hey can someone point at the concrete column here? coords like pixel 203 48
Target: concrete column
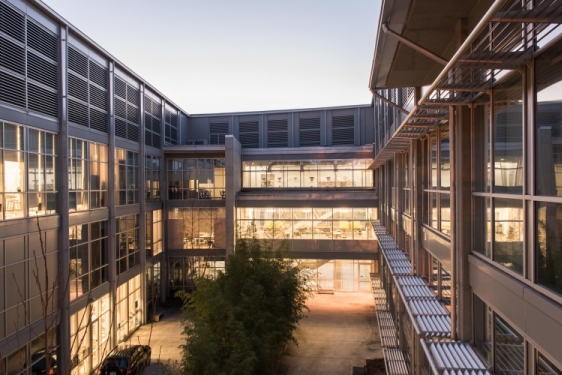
pixel 233 157
pixel 62 206
pixel 142 200
pixel 462 218
pixel 113 279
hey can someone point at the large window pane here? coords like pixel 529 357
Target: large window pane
pixel 508 233
pixel 548 123
pixel 509 349
pixel 508 136
pixel 549 249
pixel 482 226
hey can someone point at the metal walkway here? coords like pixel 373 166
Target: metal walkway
pixel 431 321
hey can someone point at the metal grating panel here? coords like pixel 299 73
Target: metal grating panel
pixel 132 114
pixel 42 70
pixel 277 133
pixel 133 132
pixel 41 40
pixel 120 88
pixel 12 56
pixel 77 62
pixel 77 88
pixel 77 113
pixel 120 128
pixel 98 97
pixel 12 22
pixel 120 108
pixel 42 100
pixel 12 89
pixel 98 74
pixel 343 130
pixel 217 132
pixel 148 137
pixel 309 132
pixel 99 120
pixel 249 134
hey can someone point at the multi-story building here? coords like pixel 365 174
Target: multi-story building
pixel 444 189
pixel 466 159
pixel 132 196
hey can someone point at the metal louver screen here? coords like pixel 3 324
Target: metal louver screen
pixel 249 134
pixel 127 116
pixel 343 130
pixel 309 132
pixel 37 65
pixel 277 133
pixel 218 130
pixel 87 90
pixel 12 22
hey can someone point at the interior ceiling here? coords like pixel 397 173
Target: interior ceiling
pixel 431 24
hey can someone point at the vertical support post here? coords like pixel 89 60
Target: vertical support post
pixel 164 196
pixel 142 199
pixel 62 205
pixel 111 202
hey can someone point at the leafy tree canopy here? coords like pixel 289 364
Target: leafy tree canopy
pixel 240 322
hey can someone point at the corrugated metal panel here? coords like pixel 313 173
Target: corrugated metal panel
pixel 217 131
pixel 277 133
pixel 309 132
pixel 249 134
pixel 343 130
pixel 453 358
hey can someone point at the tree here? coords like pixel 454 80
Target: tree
pixel 240 322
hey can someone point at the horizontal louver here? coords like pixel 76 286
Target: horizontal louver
pixel 12 89
pixel 38 65
pixel 218 130
pixel 277 133
pixel 87 82
pixel 42 40
pixel 12 56
pixel 170 127
pixel 126 110
pixel 152 119
pixel 343 130
pixel 309 132
pixel 249 134
pixel 12 22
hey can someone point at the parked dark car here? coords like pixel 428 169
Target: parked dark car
pixel 39 363
pixel 129 361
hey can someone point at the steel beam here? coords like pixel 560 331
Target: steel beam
pixel 414 45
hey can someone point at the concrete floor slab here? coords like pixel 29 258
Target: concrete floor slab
pixel 340 332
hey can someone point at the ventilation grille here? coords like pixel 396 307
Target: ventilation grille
pixel 38 65
pixel 249 132
pixel 343 130
pixel 277 133
pixel 218 130
pixel 152 122
pixel 127 119
pixel 309 132
pixel 87 91
pixel 171 126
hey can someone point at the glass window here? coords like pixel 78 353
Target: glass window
pixel 483 226
pixel 152 177
pixel 126 177
pixel 444 161
pixel 509 349
pixel 508 136
pixel 483 329
pixel 549 249
pixel 548 123
pixel 508 233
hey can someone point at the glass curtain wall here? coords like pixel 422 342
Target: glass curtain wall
pixel 196 179
pixel 306 223
pixel 153 233
pixel 27 172
pixel 126 177
pixel 197 228
pixel 88 175
pixel 152 177
pixel 340 275
pixel 126 242
pixel 129 309
pixel 341 173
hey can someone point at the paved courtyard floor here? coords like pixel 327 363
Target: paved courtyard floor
pixel 340 332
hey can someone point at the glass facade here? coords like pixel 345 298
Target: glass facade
pixel 340 275
pixel 127 252
pixel 182 270
pixel 126 177
pixel 27 172
pixel 87 175
pixel 153 244
pixel 306 223
pixel 341 173
pixel 197 228
pixel 152 177
pixel 129 308
pixel 88 257
pixel 196 178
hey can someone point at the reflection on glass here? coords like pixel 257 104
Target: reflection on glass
pixel 509 349
pixel 482 226
pixel 549 254
pixel 445 165
pixel 445 213
pixel 433 162
pixel 508 233
pixel 508 136
pixel 303 174
pixel 545 367
pixel 199 228
pixel 483 331
pixel 433 210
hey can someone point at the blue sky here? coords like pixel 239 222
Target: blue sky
pixel 238 55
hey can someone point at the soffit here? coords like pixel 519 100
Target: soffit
pixel 429 23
